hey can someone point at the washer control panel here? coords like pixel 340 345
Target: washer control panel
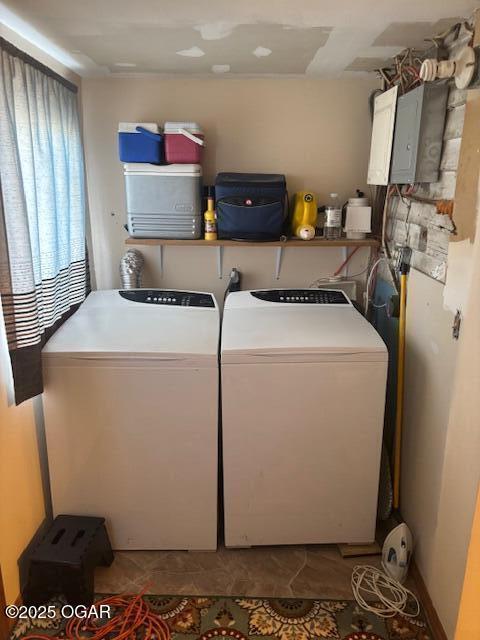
pixel 302 296
pixel 169 298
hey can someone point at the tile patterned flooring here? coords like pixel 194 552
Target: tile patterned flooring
pixel 296 571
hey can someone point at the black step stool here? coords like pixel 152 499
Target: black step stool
pixel 64 561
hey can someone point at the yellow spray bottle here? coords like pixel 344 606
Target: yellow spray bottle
pixel 210 219
pixel 304 213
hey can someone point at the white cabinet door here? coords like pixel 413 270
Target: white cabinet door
pixel 124 443
pixel 382 137
pixel 301 451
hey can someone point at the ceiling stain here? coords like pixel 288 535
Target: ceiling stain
pixel 193 52
pixel 183 50
pixel 262 52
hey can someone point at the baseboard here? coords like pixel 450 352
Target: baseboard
pixel 427 604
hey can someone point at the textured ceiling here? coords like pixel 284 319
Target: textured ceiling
pixel 314 37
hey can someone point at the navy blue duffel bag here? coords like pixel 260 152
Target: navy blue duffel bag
pixel 250 206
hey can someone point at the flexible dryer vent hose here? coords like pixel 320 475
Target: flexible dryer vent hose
pixel 131 266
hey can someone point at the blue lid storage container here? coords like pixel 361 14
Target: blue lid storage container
pixel 140 142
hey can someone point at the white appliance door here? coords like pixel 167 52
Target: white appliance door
pixel 136 442
pixel 301 451
pixel 382 137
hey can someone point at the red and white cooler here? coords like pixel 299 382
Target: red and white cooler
pixel 184 142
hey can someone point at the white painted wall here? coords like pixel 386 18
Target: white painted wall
pixel 461 467
pixel 430 368
pixel 441 443
pixel 317 132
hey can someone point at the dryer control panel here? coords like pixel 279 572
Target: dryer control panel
pixel 169 298
pixel 302 296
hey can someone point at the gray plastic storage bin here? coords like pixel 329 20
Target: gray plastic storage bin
pixel 164 201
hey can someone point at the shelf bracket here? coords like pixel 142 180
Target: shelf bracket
pixel 278 262
pixel 160 259
pixel 220 262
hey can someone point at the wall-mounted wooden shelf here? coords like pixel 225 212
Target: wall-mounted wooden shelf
pixel 316 242
pixel 279 245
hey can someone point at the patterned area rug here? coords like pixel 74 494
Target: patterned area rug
pixel 214 618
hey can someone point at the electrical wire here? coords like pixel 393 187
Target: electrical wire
pixel 385 216
pixel 379 306
pixel 332 280
pixel 369 280
pixel 345 262
pixel 336 277
pixel 390 219
pixel 132 620
pixel 391 597
pixel 404 72
pixel 360 273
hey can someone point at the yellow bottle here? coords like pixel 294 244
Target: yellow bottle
pixel 304 212
pixel 210 221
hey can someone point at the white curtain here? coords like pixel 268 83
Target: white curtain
pixel 43 272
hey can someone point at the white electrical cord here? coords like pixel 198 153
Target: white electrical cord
pixel 391 597
pixel 335 279
pixel 369 280
pixel 332 280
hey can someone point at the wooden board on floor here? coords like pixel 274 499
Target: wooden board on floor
pixel 357 550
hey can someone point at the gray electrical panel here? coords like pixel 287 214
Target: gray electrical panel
pixel 418 138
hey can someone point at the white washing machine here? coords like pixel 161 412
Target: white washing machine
pixel 303 394
pixel 131 416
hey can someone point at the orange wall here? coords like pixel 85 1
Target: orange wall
pixel 21 497
pixel 468 624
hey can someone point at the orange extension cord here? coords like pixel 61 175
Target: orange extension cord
pixel 345 262
pixel 134 620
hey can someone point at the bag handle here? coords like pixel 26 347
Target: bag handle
pixel 149 134
pixel 191 137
